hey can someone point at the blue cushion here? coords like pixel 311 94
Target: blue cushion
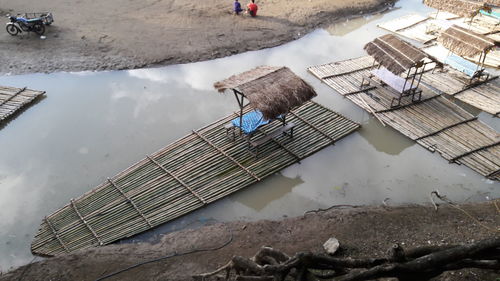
pixel 492 14
pixel 461 64
pixel 250 121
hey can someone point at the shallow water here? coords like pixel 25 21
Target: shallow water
pixel 93 125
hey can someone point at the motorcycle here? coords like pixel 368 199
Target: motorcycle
pixel 19 24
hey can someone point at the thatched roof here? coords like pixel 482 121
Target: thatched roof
pixel 272 90
pixel 394 54
pixel 464 42
pixel 463 8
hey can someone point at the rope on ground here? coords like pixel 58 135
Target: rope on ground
pixel 495 202
pixel 26 269
pixel 451 203
pixel 174 254
pixel 329 208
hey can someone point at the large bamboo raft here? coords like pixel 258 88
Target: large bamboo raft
pixel 435 122
pixel 196 170
pixel 12 99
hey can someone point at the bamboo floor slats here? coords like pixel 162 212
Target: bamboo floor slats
pixel 196 170
pixel 485 96
pixel 435 122
pixel 13 99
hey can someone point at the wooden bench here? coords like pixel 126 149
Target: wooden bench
pixel 285 130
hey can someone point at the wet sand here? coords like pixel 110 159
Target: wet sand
pixel 126 34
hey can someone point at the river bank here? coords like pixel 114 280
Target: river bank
pixel 362 232
pixel 123 34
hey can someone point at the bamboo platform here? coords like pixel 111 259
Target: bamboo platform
pixel 435 122
pixel 426 30
pixel 485 96
pixel 196 170
pixel 12 99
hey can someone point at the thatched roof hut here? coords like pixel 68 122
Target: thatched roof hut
pixel 464 42
pixel 394 54
pixel 463 8
pixel 271 90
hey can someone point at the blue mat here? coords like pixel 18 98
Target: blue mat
pixel 461 64
pixel 492 14
pixel 251 121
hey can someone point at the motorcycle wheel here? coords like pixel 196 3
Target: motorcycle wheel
pixel 39 28
pixel 12 29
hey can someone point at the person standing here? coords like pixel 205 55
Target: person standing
pixel 252 8
pixel 237 7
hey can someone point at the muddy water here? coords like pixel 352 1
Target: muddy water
pixel 93 125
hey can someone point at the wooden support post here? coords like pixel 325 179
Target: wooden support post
pixel 360 91
pixel 227 156
pixel 11 97
pixel 178 180
pixel 283 146
pixel 56 235
pixel 130 201
pixel 406 105
pixel 446 128
pixel 86 223
pixel 314 127
pixel 474 85
pixel 494 173
pixel 454 159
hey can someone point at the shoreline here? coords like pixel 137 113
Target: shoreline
pixel 199 35
pixel 363 231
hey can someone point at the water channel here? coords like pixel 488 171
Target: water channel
pixel 92 125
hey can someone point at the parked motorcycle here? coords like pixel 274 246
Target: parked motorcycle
pixel 19 24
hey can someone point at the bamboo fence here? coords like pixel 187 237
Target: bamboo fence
pixel 12 99
pixel 434 122
pixel 196 170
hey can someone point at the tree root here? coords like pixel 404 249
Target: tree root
pixel 422 263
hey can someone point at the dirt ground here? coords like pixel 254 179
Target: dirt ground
pixel 125 34
pixel 362 232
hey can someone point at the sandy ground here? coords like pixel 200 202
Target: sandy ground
pixel 362 231
pixel 124 34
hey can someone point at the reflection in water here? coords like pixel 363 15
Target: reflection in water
pixel 347 26
pixel 383 139
pixel 270 190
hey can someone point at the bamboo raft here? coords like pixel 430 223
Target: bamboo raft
pixel 196 170
pixel 12 99
pixel 434 122
pixel 485 96
pixel 426 30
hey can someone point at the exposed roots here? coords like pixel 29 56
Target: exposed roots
pixel 420 263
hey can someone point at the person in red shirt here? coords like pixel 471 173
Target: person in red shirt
pixel 252 8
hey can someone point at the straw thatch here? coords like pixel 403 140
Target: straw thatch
pixel 463 8
pixel 464 42
pixel 393 53
pixel 272 90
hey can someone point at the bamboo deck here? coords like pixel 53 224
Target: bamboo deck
pixel 454 83
pixel 196 170
pixel 12 99
pixel 435 122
